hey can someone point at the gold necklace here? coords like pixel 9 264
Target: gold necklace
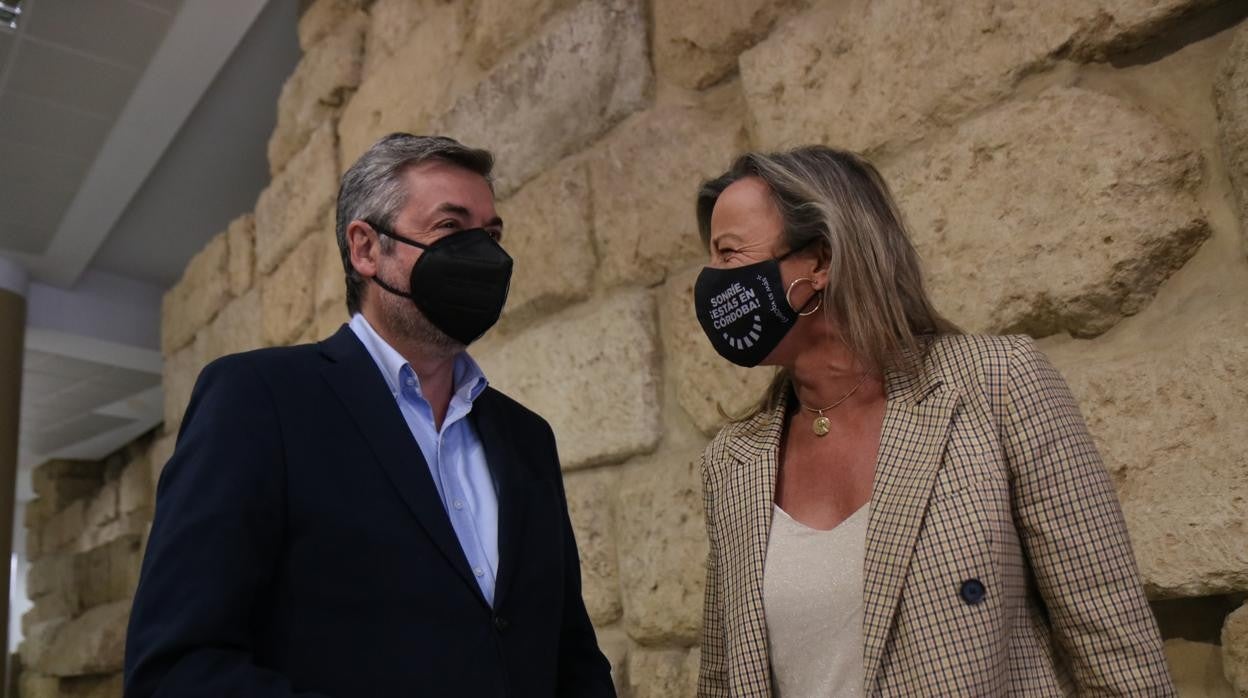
pixel 822 425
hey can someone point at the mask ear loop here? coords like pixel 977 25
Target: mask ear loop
pixel 818 296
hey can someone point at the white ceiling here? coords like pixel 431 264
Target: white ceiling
pixel 131 131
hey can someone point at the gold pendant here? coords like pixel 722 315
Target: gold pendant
pixel 821 426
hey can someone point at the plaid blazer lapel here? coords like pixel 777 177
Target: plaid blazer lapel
pixel 912 444
pixel 753 488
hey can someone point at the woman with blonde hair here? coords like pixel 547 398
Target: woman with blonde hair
pixel 911 511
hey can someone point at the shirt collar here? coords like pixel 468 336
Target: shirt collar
pixel 468 380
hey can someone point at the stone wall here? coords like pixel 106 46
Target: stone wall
pixel 1076 170
pixel 85 533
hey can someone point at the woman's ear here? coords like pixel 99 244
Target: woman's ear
pixel 365 248
pixel 823 259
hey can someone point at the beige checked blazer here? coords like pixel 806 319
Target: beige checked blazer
pixel 997 559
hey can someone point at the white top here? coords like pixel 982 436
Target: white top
pixel 812 601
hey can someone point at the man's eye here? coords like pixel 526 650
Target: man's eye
pixel 495 235
pixel 449 225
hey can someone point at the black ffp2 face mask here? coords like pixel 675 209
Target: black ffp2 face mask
pixel 743 310
pixel 460 283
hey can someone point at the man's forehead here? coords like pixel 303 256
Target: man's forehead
pixel 440 187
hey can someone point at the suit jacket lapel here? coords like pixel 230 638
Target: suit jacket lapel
pixel 512 484
pixel 354 377
pixel 912 445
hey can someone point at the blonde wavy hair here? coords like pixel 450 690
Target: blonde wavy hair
pixel 875 289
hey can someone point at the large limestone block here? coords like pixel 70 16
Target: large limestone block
pixel 59 482
pixel 406 90
pixel 696 42
pixel 1196 668
pixel 294 204
pixel 178 375
pixel 503 24
pixel 328 321
pixel 331 281
pixel 661 535
pixel 1231 98
pixel 1235 650
pixel 37 686
pixel 663 673
pixel 865 74
pixel 93 643
pixel 645 179
pixel 287 298
pixel 109 572
pixel 586 71
pixel 238 327
pixel 102 508
pixel 53 574
pixel 322 17
pixel 135 487
pixel 590 496
pixel 241 241
pixel 1060 213
pixel 133 524
pixel 322 82
pixel 110 686
pixel 592 372
pixel 196 298
pixel 709 388
pixel 393 24
pixel 1168 420
pixel 614 644
pixel 36 643
pixel 65 527
pixel 548 235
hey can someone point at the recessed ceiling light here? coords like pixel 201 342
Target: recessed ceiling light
pixel 9 12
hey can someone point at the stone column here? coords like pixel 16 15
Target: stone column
pixel 13 283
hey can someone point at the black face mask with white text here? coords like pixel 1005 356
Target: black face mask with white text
pixel 743 310
pixel 460 283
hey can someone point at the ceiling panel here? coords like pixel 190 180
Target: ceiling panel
pixel 64 366
pixel 42 70
pixel 6 45
pixel 128 380
pixel 52 127
pixel 26 239
pixel 36 186
pixel 116 30
pixel 170 6
pixel 75 430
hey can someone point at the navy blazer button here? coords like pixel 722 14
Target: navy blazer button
pixel 972 591
pixel 501 623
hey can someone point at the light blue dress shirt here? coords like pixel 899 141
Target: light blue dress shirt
pixel 455 456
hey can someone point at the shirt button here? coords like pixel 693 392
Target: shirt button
pixel 458 504
pixel 411 382
pixel 478 571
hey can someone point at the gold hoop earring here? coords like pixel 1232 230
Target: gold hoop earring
pixel 789 292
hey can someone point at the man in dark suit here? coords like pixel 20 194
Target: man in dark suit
pixel 365 516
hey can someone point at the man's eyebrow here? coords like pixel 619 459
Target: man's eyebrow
pixel 463 212
pixel 454 209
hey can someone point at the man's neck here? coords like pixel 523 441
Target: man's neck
pixel 433 366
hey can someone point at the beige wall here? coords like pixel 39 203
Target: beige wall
pixel 1074 169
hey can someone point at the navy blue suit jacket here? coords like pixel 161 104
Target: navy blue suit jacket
pixel 300 548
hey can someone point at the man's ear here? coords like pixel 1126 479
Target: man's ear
pixel 365 248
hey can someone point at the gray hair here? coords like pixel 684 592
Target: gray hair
pixel 374 190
